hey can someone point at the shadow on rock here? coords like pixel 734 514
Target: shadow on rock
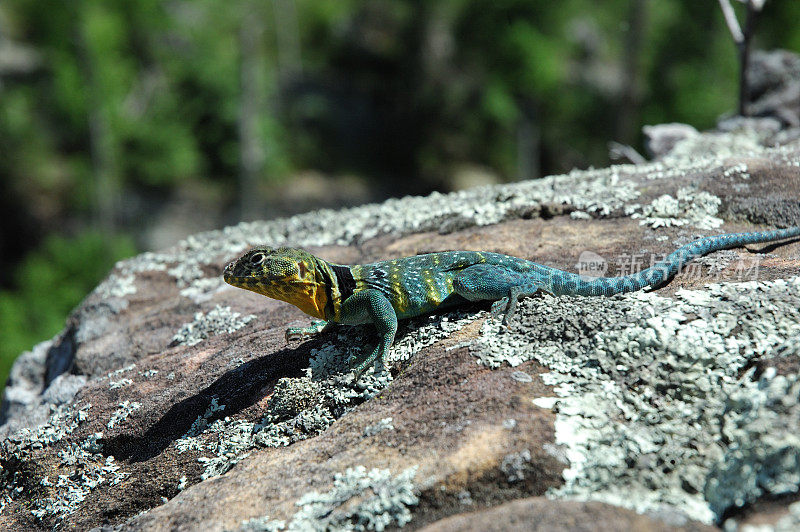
pixel 770 246
pixel 237 389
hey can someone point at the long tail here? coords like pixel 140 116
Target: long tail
pixel 568 283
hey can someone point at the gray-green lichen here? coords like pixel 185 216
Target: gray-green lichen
pixel 690 207
pixel 189 440
pixel 521 376
pixel 514 465
pixel 81 467
pixel 117 286
pixel 262 524
pixel 125 409
pixel 64 419
pixel 114 382
pixel 360 499
pixel 120 371
pixel 292 396
pixel 761 422
pixel 86 469
pixel 291 417
pixel 299 409
pixel 379 426
pixel 414 335
pixel 114 385
pixel 656 407
pixel 219 320
pixel 303 407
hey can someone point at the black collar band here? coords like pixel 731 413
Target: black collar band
pixel 344 278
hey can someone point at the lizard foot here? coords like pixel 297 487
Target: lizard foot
pixel 508 305
pixel 295 333
pixel 358 370
pixel 380 369
pixel 499 307
pixel 380 373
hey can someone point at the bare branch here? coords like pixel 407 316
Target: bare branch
pixel 758 5
pixel 730 20
pixel 619 151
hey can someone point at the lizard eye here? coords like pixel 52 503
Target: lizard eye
pixel 257 258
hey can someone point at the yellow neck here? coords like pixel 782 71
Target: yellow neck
pixel 310 297
pixel 308 290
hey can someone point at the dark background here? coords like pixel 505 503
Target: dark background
pixel 127 125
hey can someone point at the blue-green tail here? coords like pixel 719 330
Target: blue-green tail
pixel 559 282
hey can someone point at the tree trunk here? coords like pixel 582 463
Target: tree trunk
pixel 628 112
pixel 107 198
pixel 251 107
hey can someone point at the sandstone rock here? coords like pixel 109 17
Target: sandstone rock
pixel 661 138
pixel 172 402
pixel 774 79
pixel 540 514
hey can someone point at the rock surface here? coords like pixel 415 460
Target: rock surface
pixel 172 402
pixel 774 78
pixel 539 514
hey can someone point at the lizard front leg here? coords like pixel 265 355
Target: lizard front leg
pixel 371 306
pixel 483 282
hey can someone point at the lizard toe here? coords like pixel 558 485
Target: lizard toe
pixel 293 333
pixel 498 308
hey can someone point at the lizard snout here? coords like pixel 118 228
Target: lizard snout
pixel 228 272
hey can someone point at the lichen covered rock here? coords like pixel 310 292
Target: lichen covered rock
pixel 172 401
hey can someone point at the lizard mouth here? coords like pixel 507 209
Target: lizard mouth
pixel 243 282
pixel 237 278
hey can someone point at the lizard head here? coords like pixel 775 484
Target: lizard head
pixel 288 274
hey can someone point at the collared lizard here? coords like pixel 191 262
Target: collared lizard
pixel 383 292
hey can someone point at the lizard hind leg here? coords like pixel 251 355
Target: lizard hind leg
pixel 507 306
pixel 377 355
pixel 483 282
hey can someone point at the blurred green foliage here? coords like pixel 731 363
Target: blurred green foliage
pixel 109 108
pixel 49 283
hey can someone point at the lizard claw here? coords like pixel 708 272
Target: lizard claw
pixel 506 306
pixel 357 374
pixel 379 371
pixel 498 307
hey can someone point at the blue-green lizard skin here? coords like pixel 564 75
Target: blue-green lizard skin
pixel 383 292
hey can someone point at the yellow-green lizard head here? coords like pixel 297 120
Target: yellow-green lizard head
pixel 288 274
